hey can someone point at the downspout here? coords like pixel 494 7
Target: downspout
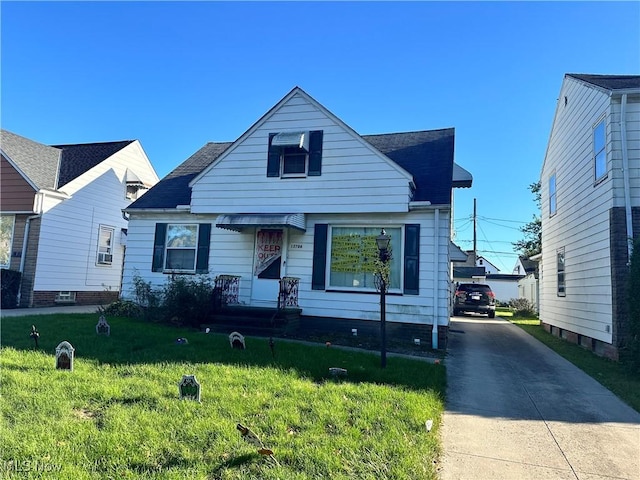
pixel 625 175
pixel 23 255
pixel 436 282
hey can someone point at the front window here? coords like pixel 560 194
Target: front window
pixel 353 257
pixel 105 246
pixel 599 150
pixel 561 276
pixel 6 239
pixel 552 195
pixel 181 244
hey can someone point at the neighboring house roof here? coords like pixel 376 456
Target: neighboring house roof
pixel 610 82
pixel 427 155
pixel 38 162
pixel 529 266
pixel 468 272
pixel 54 166
pixel 456 254
pixel 80 158
pixel 504 276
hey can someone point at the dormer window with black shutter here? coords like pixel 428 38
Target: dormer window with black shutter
pixel 295 154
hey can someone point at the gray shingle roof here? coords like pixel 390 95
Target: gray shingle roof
pixel 54 166
pixel 174 189
pixel 610 82
pixel 80 158
pixel 427 155
pixel 37 161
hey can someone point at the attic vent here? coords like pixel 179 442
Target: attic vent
pixel 291 139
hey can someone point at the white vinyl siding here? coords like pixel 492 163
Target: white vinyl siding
pixel 70 227
pixel 69 239
pixel 581 225
pixel 233 254
pixel 354 177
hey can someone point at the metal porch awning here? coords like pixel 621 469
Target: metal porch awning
pixel 238 222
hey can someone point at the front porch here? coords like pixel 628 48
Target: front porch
pixel 229 314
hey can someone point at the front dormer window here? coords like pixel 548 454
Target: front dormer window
pixel 295 154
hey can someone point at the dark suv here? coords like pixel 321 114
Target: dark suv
pixel 474 297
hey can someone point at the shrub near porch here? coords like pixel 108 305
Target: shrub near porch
pixel 117 415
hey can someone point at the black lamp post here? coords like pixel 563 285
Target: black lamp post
pixel 382 242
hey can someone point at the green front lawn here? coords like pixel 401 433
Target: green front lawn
pixel 118 414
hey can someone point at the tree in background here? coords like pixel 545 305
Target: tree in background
pixel 531 244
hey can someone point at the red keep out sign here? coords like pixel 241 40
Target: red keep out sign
pixel 268 248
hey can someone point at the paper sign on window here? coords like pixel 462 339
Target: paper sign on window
pixel 268 249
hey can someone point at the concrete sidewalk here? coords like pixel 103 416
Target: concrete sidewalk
pixel 516 410
pixel 23 312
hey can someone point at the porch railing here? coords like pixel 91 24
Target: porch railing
pixel 227 289
pixel 288 292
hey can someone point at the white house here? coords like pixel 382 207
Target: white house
pixel 302 196
pixel 590 191
pixel 528 285
pixel 489 268
pixel 62 222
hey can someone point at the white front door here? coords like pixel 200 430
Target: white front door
pixel 269 253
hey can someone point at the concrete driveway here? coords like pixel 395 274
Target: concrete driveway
pixel 517 411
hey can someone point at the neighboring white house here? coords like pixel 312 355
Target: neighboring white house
pixel 528 286
pixel 590 208
pixel 62 222
pixel 301 195
pixel 489 268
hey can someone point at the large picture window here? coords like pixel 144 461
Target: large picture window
pixel 6 239
pixel 105 245
pixel 599 150
pixel 353 254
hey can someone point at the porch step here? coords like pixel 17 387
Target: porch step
pixel 251 320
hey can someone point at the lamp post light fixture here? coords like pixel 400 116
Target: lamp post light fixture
pixel 382 241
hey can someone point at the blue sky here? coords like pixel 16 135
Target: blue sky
pixel 178 75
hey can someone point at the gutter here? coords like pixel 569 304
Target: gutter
pixel 625 175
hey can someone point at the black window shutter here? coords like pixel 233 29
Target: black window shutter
pixel 158 247
pixel 318 275
pixel 412 259
pixel 204 240
pixel 273 159
pixel 315 153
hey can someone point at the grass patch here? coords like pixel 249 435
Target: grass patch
pixel 117 415
pixel 612 375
